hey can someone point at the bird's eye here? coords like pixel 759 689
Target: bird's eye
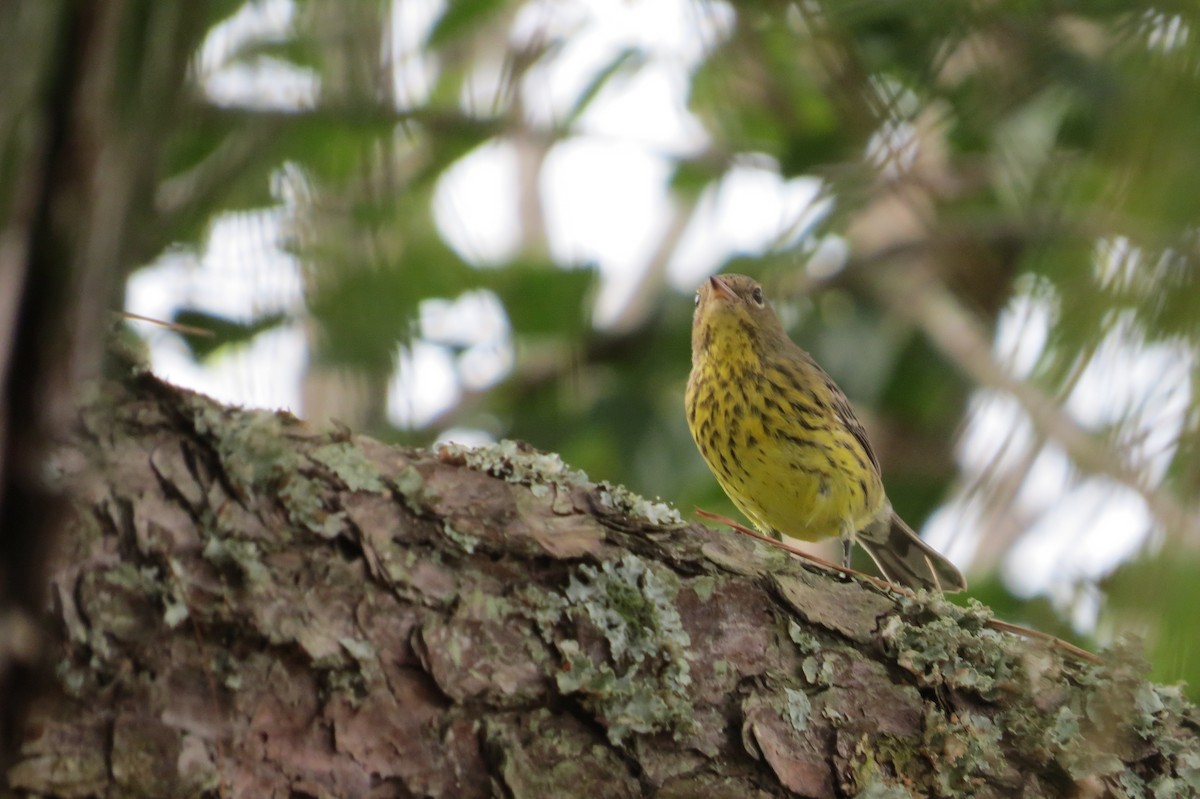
pixel 757 296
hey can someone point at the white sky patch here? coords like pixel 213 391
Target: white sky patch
pixel 1022 331
pixel 263 82
pixel 605 204
pixel 1165 32
pixel 604 193
pixel 952 528
pixel 751 210
pixel 1003 440
pixel 475 204
pixel 475 317
pixel 485 91
pixel 647 107
pixel 413 71
pixel 465 344
pixel 1145 386
pixel 476 324
pixel 242 274
pixel 422 386
pixel 1080 535
pixel 485 365
pixel 1049 479
pixel 466 436
pixel 671 36
pixel 255 21
pixel 828 257
pixel 265 373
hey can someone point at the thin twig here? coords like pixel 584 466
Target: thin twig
pixel 825 564
pixel 1038 635
pixel 188 330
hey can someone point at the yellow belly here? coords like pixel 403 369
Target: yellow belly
pixel 784 476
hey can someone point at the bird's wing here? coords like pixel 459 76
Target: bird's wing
pixel 845 414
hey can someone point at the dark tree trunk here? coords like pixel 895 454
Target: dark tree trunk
pixel 86 90
pixel 249 608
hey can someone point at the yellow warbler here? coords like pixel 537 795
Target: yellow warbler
pixel 784 443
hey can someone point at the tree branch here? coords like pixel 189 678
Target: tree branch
pixel 252 608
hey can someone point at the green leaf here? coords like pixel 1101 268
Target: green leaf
pixel 544 301
pixel 461 18
pixel 223 332
pixel 299 51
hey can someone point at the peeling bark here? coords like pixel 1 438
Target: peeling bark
pixel 250 608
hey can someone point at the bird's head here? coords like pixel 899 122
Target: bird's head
pixel 732 312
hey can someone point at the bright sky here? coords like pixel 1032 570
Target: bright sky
pixel 606 200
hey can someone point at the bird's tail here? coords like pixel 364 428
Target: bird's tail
pixel 904 558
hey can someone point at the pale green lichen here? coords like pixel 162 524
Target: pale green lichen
pixel 880 790
pixel 465 541
pixel 704 586
pixel 951 646
pixel 1095 732
pixel 872 779
pixel 359 648
pixel 411 485
pixel 140 579
pixel 364 655
pixel 1064 729
pixel 644 689
pixel 251 445
pixel 899 752
pixel 943 645
pixel 621 499
pixel 969 747
pixel 1188 769
pixel 350 465
pixel 244 555
pixel 301 497
pixel 798 709
pixel 805 641
pixel 116 605
pixel 72 678
pixel 517 463
pixel 176 612
pixel 349 683
pixel 487 606
pixel 257 456
pixel 632 603
pixel 544 608
pixel 818 671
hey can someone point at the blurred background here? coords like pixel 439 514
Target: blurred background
pixel 470 221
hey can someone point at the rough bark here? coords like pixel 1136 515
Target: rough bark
pixel 251 608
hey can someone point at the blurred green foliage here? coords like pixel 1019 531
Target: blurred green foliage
pixel 1060 134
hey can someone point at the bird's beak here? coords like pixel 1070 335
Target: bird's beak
pixel 721 291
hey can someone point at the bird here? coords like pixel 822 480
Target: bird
pixel 784 443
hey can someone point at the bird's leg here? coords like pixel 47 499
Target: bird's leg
pixel 847 538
